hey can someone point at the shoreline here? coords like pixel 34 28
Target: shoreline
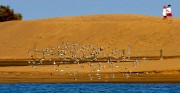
pixel 149 71
pixel 156 78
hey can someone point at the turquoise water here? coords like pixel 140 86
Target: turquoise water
pixel 90 88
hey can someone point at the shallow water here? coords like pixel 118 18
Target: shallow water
pixel 90 88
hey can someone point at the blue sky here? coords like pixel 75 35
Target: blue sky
pixel 37 9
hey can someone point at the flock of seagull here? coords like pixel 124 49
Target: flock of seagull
pixel 94 58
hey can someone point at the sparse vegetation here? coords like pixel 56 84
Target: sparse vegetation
pixel 7 14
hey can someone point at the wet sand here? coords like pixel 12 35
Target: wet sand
pixel 156 71
pixel 31 77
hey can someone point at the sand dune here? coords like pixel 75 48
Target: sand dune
pixel 141 32
pixel 145 34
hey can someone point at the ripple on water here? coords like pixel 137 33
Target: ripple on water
pixel 90 88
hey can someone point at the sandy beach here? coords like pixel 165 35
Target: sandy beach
pixel 154 46
pixel 160 71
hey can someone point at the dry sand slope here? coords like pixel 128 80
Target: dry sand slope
pixel 116 31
